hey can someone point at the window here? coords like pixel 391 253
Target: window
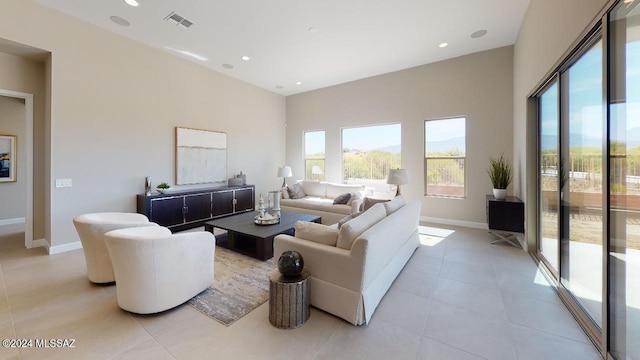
pixel 314 155
pixel 368 153
pixel 444 159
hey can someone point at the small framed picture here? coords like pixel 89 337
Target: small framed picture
pixel 8 158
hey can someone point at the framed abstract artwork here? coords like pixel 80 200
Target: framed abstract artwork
pixel 201 156
pixel 8 158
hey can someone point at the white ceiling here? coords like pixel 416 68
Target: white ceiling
pixel 354 39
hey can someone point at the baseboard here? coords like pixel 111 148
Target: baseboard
pixel 40 243
pixel 6 222
pixel 63 248
pixel 468 224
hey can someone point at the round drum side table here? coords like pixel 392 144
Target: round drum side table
pixel 288 300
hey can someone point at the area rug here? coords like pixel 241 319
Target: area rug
pixel 241 284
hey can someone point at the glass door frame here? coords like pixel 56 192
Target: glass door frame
pixel 598 32
pixel 555 79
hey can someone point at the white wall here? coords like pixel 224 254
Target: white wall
pixel 548 30
pixel 113 109
pixel 478 86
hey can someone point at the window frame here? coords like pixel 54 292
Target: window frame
pixel 426 158
pixel 305 159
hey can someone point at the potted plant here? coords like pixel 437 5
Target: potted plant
pixel 163 187
pixel 500 173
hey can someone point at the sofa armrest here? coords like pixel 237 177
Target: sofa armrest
pixel 355 205
pixel 328 263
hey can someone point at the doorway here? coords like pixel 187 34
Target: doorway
pixel 28 169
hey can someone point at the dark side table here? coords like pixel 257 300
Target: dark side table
pixel 289 305
pixel 505 218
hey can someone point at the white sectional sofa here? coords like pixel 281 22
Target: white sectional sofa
pixel 318 200
pixel 353 267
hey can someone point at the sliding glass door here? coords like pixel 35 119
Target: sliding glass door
pixel 581 156
pixel 589 180
pixel 550 171
pixel 624 162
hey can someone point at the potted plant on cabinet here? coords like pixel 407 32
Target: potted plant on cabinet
pixel 500 173
pixel 163 187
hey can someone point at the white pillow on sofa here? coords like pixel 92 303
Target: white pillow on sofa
pixel 350 230
pixel 322 234
pixel 395 204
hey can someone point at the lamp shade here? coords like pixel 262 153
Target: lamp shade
pixel 316 170
pixel 398 177
pixel 285 171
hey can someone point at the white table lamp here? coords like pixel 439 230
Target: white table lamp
pixel 284 172
pixel 398 177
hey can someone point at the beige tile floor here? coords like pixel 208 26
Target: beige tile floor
pixel 459 297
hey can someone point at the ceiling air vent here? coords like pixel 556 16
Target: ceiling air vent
pixel 178 20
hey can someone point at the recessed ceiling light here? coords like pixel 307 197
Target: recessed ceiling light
pixel 279 87
pixel 478 34
pixel 245 58
pixel 118 20
pixel 227 66
pixel 443 45
pixel 132 2
pixel 298 82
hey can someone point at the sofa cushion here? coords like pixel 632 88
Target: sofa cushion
pixel 322 234
pixel 285 192
pixel 368 202
pixel 296 191
pixel 395 204
pixel 314 188
pixel 342 199
pixel 317 204
pixel 350 230
pixel 335 190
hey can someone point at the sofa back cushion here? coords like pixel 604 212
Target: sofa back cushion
pixel 314 188
pixel 335 190
pixel 350 230
pixel 395 204
pixel 322 234
pixel 368 202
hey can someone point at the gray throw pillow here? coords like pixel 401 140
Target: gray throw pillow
pixel 369 202
pixel 296 191
pixel 342 199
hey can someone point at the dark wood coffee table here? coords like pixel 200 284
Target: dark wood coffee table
pixel 245 237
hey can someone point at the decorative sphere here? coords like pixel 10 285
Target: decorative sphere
pixel 290 263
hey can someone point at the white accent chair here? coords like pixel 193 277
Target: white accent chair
pixel 156 270
pixel 91 229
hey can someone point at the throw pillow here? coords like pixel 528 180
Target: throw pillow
pixel 342 199
pixel 347 218
pixel 369 202
pixel 318 233
pixel 395 204
pixel 296 191
pixel 285 192
pixel 350 231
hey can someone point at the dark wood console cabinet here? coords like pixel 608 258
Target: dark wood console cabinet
pixel 181 210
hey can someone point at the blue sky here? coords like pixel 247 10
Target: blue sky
pixel 585 99
pixel 371 137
